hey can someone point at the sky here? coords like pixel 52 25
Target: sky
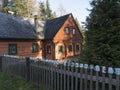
pixel 76 7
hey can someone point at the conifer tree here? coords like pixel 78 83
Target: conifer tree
pixel 42 11
pixel 54 15
pixel 81 30
pixel 45 11
pixel 23 8
pixel 48 10
pixel 103 34
pixel 31 7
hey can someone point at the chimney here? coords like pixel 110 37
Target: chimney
pixel 39 27
pixel 35 23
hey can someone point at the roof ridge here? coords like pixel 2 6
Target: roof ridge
pixel 60 17
pixel 54 25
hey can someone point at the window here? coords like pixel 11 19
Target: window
pixel 77 48
pixel 70 48
pixel 35 47
pixel 74 31
pixel 12 49
pixel 67 30
pixel 48 49
pixel 60 49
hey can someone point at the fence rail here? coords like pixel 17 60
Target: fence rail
pixel 62 76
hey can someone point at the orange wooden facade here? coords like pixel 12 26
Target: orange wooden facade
pixel 64 39
pixel 60 39
pixel 24 47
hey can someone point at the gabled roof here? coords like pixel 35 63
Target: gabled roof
pixel 53 26
pixel 18 28
pixel 14 28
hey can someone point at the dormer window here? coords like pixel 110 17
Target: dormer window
pixel 74 31
pixel 67 30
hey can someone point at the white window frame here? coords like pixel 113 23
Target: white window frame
pixel 67 31
pixel 70 49
pixel 76 49
pixel 74 31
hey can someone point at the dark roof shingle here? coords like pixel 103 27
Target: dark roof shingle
pixel 53 26
pixel 14 28
pixel 18 28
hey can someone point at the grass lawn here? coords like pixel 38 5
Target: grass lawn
pixel 9 82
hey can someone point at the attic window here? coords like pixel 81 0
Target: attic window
pixel 67 30
pixel 74 31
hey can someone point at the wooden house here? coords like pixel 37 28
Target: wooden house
pixel 58 38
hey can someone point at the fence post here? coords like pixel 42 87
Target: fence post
pixel 76 71
pixel 64 76
pixel 61 78
pixel 110 72
pixel 91 76
pixel 72 76
pixel 81 76
pixel 27 69
pixel 86 77
pixel 117 72
pixel 0 63
pixel 68 79
pixel 97 69
pixel 117 82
